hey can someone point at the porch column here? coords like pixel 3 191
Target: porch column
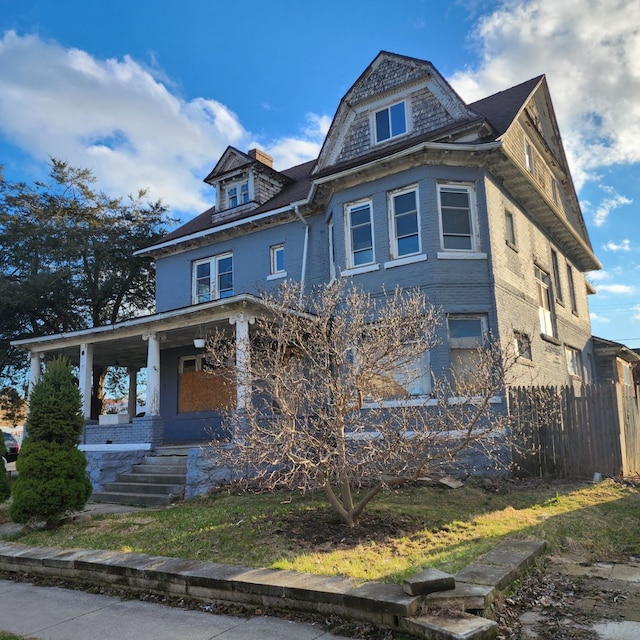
pixel 35 369
pixel 153 373
pixel 86 378
pixel 243 358
pixel 132 403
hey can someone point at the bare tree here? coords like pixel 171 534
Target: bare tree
pixel 334 376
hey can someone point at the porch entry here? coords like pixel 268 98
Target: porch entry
pixel 201 388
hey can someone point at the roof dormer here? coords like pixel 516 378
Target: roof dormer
pixel 244 181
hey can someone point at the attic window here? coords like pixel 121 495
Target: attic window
pixel 390 122
pixel 237 194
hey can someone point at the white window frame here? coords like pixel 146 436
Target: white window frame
pixel 574 361
pixel 274 251
pixel 350 252
pixel 546 309
pixel 393 230
pixel 200 360
pixel 529 157
pixel 214 279
pixel 468 344
pixel 388 108
pixel 240 191
pixel 473 219
pixel 522 345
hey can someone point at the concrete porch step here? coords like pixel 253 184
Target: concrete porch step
pixel 163 460
pixel 142 488
pixel 152 478
pixel 137 499
pixel 157 470
pixel 157 481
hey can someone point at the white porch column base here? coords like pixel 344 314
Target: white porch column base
pixel 243 358
pixel 86 378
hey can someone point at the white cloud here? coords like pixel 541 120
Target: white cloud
pixel 589 52
pixel 122 120
pixel 615 288
pixel 614 246
pixel 598 276
pixel 636 312
pixel 609 204
pixel 600 319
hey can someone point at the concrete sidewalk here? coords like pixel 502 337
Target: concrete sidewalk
pixel 50 613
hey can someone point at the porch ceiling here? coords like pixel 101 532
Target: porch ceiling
pixel 123 344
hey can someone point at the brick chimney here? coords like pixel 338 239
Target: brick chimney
pixel 261 156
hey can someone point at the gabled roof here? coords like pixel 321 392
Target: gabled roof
pixel 443 129
pixel 234 160
pixel 297 189
pixel 501 108
pixel 387 76
pixel 603 347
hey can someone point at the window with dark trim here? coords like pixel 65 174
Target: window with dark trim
pixel 556 276
pixel 572 290
pixel 510 229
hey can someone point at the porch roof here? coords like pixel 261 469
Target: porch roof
pixel 122 344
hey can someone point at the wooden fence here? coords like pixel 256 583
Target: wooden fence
pixel 568 433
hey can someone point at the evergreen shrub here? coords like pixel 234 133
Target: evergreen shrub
pixel 52 478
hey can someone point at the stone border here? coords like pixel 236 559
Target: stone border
pixel 385 605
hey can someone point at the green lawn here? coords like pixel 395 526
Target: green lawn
pixel 403 530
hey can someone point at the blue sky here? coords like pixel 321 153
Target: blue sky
pixel 148 93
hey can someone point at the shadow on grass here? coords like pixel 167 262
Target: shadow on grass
pixel 402 531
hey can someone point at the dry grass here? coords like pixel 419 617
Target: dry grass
pixel 403 531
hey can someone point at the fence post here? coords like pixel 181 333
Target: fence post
pixel 624 463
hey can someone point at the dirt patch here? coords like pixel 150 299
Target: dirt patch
pixel 554 603
pixel 320 530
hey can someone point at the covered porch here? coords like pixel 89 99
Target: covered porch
pixel 143 343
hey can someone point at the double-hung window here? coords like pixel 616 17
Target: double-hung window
pixel 457 217
pixel 529 157
pixel 360 234
pixel 574 361
pixel 213 278
pixel 466 336
pixel 404 222
pixel 390 122
pixel 545 303
pixel 572 290
pixel 510 229
pixel 556 276
pixel 277 260
pixel 237 194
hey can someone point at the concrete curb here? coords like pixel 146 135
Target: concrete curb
pixel 385 605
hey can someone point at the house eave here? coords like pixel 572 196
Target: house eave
pixel 123 341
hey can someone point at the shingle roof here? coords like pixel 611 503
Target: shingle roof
pixel 297 190
pixel 501 108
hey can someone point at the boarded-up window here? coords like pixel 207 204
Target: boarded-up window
pixel 202 389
